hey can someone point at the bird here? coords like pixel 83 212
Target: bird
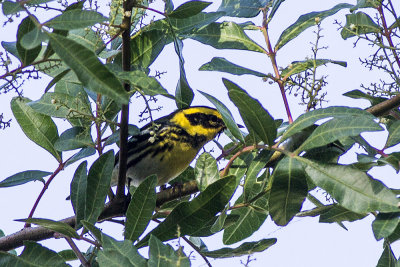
pixel 168 145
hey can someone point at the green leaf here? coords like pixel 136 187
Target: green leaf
pixel 119 253
pixel 385 224
pixel 78 192
pixel 88 38
pixel 336 214
pixel 256 118
pixel 184 93
pixel 190 216
pixel 24 177
pixel 288 192
pixel 387 259
pixel 226 116
pixel 247 248
pixel 357 94
pixel 33 255
pixel 220 222
pixel 358 24
pixel 311 117
pixel 38 127
pixel 73 138
pixel 188 9
pixel 225 35
pixel 140 209
pixel 366 4
pixel 33 39
pixel 304 22
pixel 148 85
pixel 393 159
pixel 394 134
pixel 300 66
pixel 352 188
pixel 223 65
pixel 10 7
pixel 83 153
pixel 75 19
pixel 250 220
pixel 241 8
pixel 98 184
pixel 256 165
pixel 274 8
pixel 90 71
pixel 59 227
pixel 27 56
pixel 10 47
pixel 146 47
pixel 164 255
pixel 94 230
pixel 206 171
pixel 68 255
pixel 339 128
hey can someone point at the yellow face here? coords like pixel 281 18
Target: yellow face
pixel 200 121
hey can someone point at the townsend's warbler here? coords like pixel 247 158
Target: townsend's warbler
pixel 166 146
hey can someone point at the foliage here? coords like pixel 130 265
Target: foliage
pixel 277 164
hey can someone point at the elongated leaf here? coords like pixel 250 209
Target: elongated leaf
pixel 288 192
pixel 387 259
pixel 78 192
pixel 256 118
pixel 353 189
pixel 27 56
pixel 97 233
pixel 33 255
pixel 184 93
pixel 339 128
pixel 394 134
pixel 188 9
pixel 38 127
pixel 24 177
pixel 247 248
pixel 274 8
pixel 304 22
pixel 75 19
pixel 256 165
pixel 119 253
pixel 223 65
pixel 140 209
pixel 98 184
pixel 59 227
pixel 241 8
pixel 226 116
pixel 206 171
pixel 190 216
pixel 83 153
pixel 300 66
pixel 33 39
pixel 250 220
pixel 90 71
pixel 358 24
pixel 10 47
pixel 146 47
pixel 336 213
pixel 10 7
pixel 74 138
pixel 220 222
pixel 365 4
pixel 311 117
pixel 225 35
pixel 385 224
pixel 165 255
pixel 357 94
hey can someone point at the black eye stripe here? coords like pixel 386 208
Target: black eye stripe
pixel 206 120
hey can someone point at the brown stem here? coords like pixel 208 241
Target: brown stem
pixel 77 252
pixel 46 185
pixel 385 106
pixel 387 34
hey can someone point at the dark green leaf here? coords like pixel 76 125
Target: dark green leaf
pixel 336 213
pixel 83 153
pixel 226 116
pixel 256 118
pixel 164 255
pixel 78 192
pixel 393 159
pixel 119 253
pixel 357 94
pixel 190 216
pixel 140 209
pixel 114 138
pixel 38 127
pixel 73 138
pixel 300 66
pixel 225 35
pixel 33 39
pixel 90 71
pixel 146 47
pixel 74 19
pixel 394 134
pixel 223 65
pixel 387 259
pixel 256 165
pixel 27 56
pixel 353 189
pixel 59 227
pixel 11 47
pixel 188 9
pixel 68 255
pixel 10 7
pixel 339 128
pixel 24 177
pixel 94 230
pixel 220 222
pixel 184 93
pixel 241 8
pixel 274 8
pixel 304 22
pixel 206 171
pixel 247 248
pixel 385 224
pixel 358 24
pixel 288 192
pixel 366 4
pixel 98 184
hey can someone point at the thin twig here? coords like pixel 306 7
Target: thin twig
pixel 77 252
pixel 197 250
